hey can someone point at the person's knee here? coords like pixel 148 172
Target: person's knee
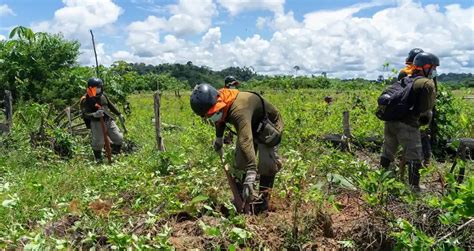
pixel 117 139
pixel 269 168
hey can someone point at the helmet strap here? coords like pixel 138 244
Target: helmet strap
pixel 426 72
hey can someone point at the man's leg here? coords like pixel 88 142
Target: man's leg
pixel 410 139
pixel 426 148
pixel 115 136
pixel 239 172
pixel 97 140
pixel 390 144
pixel 269 165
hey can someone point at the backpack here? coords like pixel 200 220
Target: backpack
pixel 266 132
pixel 396 101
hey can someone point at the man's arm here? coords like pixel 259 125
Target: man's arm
pixel 245 142
pixel 274 116
pixel 220 128
pixel 427 94
pixel 85 114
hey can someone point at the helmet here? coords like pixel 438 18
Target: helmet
pixel 229 79
pixel 203 97
pixel 95 82
pixel 425 58
pixel 412 54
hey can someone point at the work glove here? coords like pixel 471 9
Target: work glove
pixel 98 114
pixel 249 193
pixel 218 143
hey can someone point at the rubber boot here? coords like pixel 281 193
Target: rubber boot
pixel 98 156
pixel 414 176
pixel 385 163
pixel 265 187
pixel 115 148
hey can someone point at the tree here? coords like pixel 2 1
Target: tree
pixel 296 68
pixel 380 79
pixel 36 66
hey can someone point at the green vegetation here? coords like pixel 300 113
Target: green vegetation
pixel 323 198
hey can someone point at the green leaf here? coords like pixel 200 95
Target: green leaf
pixel 9 203
pixel 340 181
pixel 199 198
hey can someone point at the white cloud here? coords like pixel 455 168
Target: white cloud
pixel 78 16
pixel 337 42
pixel 212 38
pixel 87 55
pixel 2 37
pixel 237 6
pixel 188 17
pixel 75 20
pixel 5 10
pixel 261 22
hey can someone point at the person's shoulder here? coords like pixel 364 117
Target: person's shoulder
pixel 423 82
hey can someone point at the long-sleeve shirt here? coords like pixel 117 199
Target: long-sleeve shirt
pixel 245 114
pixel 88 106
pixel 424 92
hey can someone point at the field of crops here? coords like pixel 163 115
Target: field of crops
pixel 323 197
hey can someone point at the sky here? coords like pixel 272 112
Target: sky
pixel 344 38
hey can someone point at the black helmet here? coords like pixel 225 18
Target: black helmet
pixel 203 97
pixel 229 79
pixel 412 54
pixel 425 58
pixel 95 82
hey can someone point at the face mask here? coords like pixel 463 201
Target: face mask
pixel 215 117
pixel 98 90
pixel 434 74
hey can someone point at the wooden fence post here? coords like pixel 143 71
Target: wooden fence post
pixel 8 105
pixel 347 130
pixel 159 139
pixel 69 119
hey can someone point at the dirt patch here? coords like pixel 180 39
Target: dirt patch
pixel 356 222
pixel 61 227
pixel 100 207
pixel 187 234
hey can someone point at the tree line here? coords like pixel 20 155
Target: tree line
pixel 42 67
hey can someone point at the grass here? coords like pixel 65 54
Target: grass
pixel 136 201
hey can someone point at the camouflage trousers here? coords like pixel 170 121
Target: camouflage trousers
pixel 397 133
pixel 269 163
pixel 113 132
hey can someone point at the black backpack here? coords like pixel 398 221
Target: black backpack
pixel 396 101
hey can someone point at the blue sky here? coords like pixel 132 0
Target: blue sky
pixel 344 38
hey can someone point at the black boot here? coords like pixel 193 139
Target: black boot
pixel 414 175
pixel 98 156
pixel 385 163
pixel 115 148
pixel 265 187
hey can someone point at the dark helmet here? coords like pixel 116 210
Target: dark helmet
pixel 203 97
pixel 412 54
pixel 95 82
pixel 229 79
pixel 425 58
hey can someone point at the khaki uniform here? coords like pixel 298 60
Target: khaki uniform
pixel 116 138
pixel 407 131
pixel 245 114
pixel 88 108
